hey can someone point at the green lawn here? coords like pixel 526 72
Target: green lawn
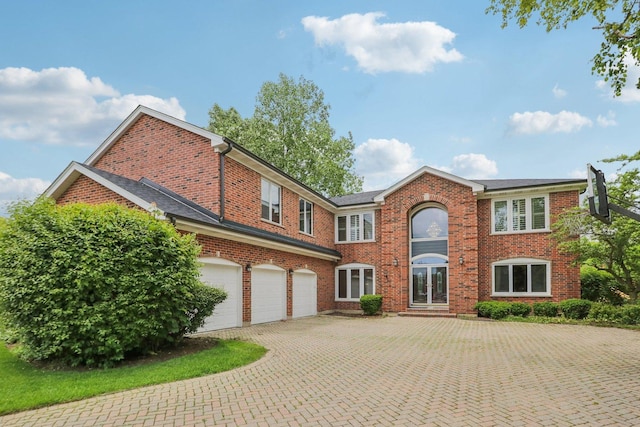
pixel 23 386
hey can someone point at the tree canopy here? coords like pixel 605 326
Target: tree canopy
pixel 290 129
pixel 615 247
pixel 619 21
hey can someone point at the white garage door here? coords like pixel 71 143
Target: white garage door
pixel 305 293
pixel 226 275
pixel 268 294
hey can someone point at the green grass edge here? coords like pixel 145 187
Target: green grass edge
pixel 25 387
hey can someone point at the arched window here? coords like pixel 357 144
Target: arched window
pixel 430 232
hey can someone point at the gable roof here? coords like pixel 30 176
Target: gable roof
pixel 183 212
pixel 216 140
pixel 475 187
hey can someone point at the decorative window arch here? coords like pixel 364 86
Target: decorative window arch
pixel 429 233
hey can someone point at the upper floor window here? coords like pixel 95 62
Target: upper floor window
pixel 520 214
pixel 357 227
pixel 271 199
pixel 521 277
pixel 306 217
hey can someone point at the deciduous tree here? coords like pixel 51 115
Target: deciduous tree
pixel 615 247
pixel 290 129
pixel 619 21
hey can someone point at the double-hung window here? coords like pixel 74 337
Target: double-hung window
pixel 271 199
pixel 521 277
pixel 357 227
pixel 520 214
pixel 354 280
pixel 306 217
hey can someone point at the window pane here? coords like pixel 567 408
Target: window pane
pixel 342 229
pixel 355 228
pixel 368 281
pixel 537 213
pixel 305 216
pixel 355 284
pixel 519 214
pixel 265 199
pixel 342 283
pixel 519 278
pixel 500 215
pixel 502 278
pixel 309 219
pixel 430 223
pixel 275 203
pixel 539 278
pixel 367 219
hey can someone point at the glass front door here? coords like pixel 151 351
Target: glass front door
pixel 429 285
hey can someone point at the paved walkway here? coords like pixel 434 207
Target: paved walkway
pixel 335 371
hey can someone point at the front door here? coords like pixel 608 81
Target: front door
pixel 429 285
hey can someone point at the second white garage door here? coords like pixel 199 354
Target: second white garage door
pixel 305 293
pixel 268 294
pixel 227 275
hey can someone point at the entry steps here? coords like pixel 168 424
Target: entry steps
pixel 427 312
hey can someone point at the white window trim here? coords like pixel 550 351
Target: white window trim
pixel 520 261
pixel 529 214
pixel 349 267
pixel 271 184
pixel 360 214
pixel 311 219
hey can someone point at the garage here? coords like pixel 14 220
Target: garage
pixel 268 294
pixel 224 274
pixel 305 293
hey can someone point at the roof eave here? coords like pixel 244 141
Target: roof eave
pixel 547 188
pixel 475 187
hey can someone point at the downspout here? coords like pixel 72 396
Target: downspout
pixel 222 154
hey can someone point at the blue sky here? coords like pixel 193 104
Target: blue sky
pixel 435 83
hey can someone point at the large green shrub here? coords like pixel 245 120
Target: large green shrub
pixel 605 313
pixel 545 309
pixel 88 285
pixel 599 286
pixel 371 304
pixel 520 309
pixel 493 309
pixel 575 308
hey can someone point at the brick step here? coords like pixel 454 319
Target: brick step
pixel 426 312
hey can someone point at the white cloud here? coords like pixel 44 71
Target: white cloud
pixel 12 189
pixel 411 47
pixel 608 120
pixel 558 93
pixel 578 173
pixel 384 161
pixel 529 123
pixel 64 106
pixel 473 166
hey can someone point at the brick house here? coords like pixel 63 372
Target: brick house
pixel 433 242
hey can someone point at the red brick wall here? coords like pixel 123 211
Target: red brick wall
pixel 243 205
pixel 460 204
pixel 175 158
pixel 86 190
pixel 565 278
pixel 243 254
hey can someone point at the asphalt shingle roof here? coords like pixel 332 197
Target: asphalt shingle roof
pixel 172 204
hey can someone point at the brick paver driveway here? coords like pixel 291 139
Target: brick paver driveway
pixel 337 371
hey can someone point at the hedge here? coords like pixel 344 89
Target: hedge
pixel 89 285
